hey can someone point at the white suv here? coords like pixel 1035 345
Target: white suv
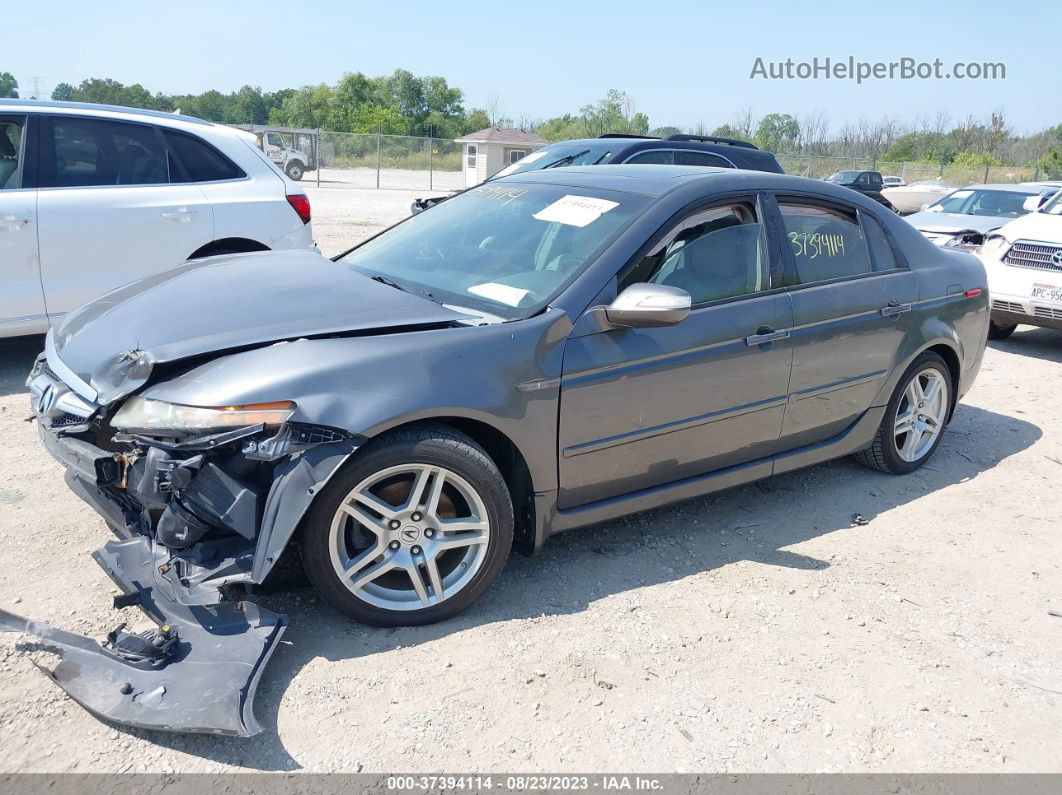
pixel 94 196
pixel 1024 264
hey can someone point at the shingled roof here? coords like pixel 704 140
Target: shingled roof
pixel 502 135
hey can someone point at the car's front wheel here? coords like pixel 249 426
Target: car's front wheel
pixel 914 419
pixel 412 531
pixel 1000 331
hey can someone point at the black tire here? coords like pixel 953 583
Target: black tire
pixel 295 170
pixel 436 445
pixel 883 453
pixel 1000 331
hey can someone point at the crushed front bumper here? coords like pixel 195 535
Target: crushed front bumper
pixel 199 671
pixel 207 685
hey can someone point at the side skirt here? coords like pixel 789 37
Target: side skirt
pixel 854 438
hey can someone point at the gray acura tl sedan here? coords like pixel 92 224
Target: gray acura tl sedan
pixel 539 353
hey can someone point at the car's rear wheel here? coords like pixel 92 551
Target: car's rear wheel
pixel 914 419
pixel 1000 331
pixel 411 532
pixel 295 170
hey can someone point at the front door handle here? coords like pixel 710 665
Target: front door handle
pixel 182 214
pixel 765 334
pixel 895 308
pixel 11 223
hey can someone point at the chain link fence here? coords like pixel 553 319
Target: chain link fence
pixel 819 167
pixel 406 162
pixel 368 160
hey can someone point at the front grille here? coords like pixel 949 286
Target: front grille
pixel 1046 311
pixel 1007 306
pixel 64 420
pixel 48 371
pixel 1042 256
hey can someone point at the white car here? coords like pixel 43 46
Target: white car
pixel 893 182
pixel 963 218
pixel 95 196
pixel 911 198
pixel 1024 264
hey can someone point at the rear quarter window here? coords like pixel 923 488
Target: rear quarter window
pixel 201 161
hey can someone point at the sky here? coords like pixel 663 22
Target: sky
pixel 546 58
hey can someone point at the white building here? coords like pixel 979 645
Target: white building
pixel 489 151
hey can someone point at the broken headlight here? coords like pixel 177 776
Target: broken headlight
pixel 143 414
pixel 994 246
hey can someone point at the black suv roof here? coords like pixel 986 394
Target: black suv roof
pixel 740 154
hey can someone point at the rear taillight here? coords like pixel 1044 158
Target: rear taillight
pixel 300 203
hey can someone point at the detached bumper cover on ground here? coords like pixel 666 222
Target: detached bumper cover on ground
pixel 208 683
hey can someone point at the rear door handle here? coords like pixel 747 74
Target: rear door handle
pixel 895 308
pixel 765 334
pixel 182 214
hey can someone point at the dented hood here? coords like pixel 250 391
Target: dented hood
pixel 224 303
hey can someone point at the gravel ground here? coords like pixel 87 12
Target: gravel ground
pixel 754 630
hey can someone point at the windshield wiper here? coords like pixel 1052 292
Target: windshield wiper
pixel 389 283
pixel 397 286
pixel 566 159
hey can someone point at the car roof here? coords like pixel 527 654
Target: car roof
pixel 1012 187
pixel 622 146
pixel 659 180
pixel 29 106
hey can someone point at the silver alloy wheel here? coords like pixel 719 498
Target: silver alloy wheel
pixel 921 414
pixel 416 554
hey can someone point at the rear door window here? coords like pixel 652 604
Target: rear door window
pixel 11 151
pixel 201 161
pixel 826 242
pixel 82 152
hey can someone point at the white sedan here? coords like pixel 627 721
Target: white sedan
pixel 94 196
pixel 911 198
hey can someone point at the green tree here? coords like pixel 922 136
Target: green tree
pixel 613 114
pixel 476 120
pixel 665 131
pixel 64 92
pixel 729 131
pixel 248 106
pixel 8 85
pixel 563 128
pixel 777 132
pixel 1051 163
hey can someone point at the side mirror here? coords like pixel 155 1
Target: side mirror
pixel 647 306
pixel 1032 203
pixel 925 206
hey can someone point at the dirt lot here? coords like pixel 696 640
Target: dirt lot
pixel 755 630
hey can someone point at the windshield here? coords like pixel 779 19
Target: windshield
pixel 502 248
pixel 994 203
pixel 558 156
pixel 843 176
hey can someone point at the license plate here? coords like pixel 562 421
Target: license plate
pixel 1047 292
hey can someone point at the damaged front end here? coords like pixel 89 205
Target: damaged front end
pixel 201 517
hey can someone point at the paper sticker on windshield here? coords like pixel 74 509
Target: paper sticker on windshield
pixel 961 194
pixel 502 293
pixel 575 210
